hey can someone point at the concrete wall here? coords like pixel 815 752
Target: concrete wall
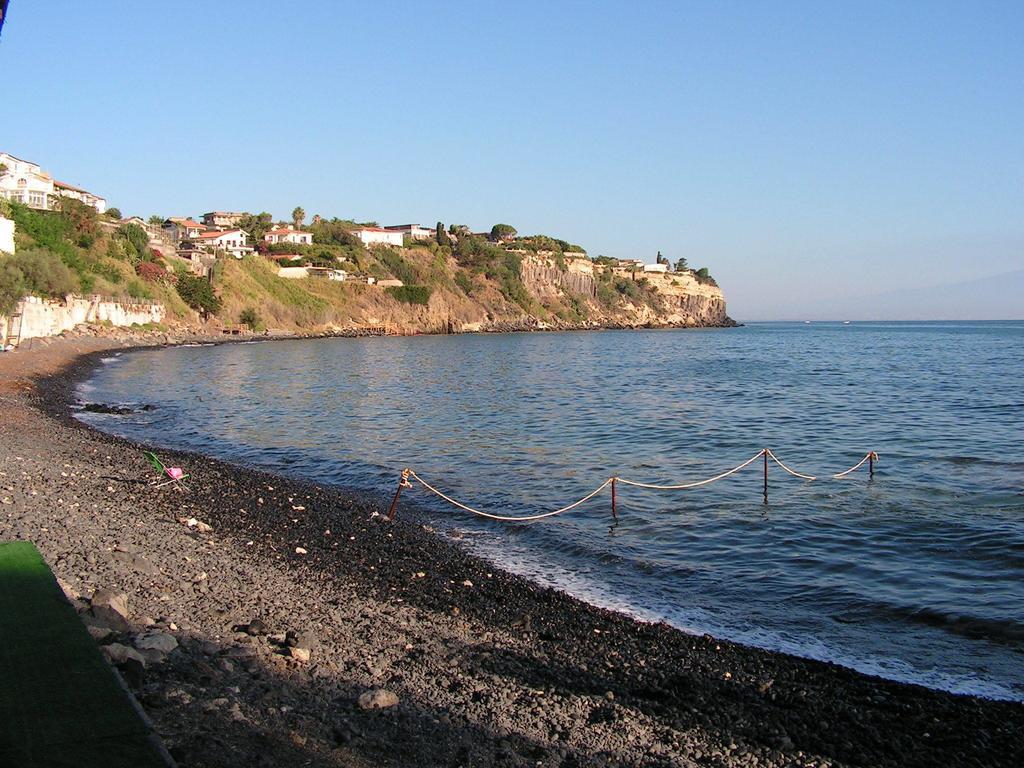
pixel 45 317
pixel 6 235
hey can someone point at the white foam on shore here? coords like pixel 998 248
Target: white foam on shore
pixel 695 621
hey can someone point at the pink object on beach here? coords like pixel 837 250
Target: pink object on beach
pixel 175 473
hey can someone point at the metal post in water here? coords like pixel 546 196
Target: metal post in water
pixel 615 515
pixel 394 502
pixel 871 464
pixel 765 454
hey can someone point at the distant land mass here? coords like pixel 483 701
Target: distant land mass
pixel 999 297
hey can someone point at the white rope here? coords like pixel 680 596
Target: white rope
pixel 450 500
pixel 794 473
pixel 693 485
pixel 856 466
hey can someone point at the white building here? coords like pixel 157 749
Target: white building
pixel 289 235
pixel 413 231
pixel 25 182
pixel 656 268
pixel 6 235
pixel 231 241
pixel 66 190
pixel 378 236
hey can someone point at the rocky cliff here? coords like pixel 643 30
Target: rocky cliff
pixel 548 292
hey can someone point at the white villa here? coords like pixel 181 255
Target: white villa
pixel 414 231
pixel 232 241
pixel 289 235
pixel 25 182
pixel 378 236
pixel 656 268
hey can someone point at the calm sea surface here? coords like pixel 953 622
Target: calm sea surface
pixel 915 575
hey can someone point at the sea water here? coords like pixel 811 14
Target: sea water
pixel 914 574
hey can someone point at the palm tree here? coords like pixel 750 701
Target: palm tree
pixel 298 215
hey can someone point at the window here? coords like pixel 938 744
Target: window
pixel 37 199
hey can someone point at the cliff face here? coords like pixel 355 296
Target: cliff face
pixel 673 299
pixel 559 294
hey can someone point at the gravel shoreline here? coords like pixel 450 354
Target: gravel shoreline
pixel 310 632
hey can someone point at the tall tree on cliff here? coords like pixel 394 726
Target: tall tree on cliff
pixel 442 236
pixel 298 216
pixel 501 233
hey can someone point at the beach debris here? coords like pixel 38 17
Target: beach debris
pixel 378 698
pixel 199 525
pixel 111 609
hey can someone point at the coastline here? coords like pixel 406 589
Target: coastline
pixel 495 672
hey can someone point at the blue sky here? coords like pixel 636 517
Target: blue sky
pixel 800 150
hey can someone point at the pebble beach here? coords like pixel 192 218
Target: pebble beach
pixel 261 620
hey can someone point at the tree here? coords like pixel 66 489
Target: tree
pixel 681 264
pixel 298 216
pixel 136 241
pixel 156 221
pixel 256 226
pixel 503 232
pixel 114 213
pixel 442 236
pixel 249 317
pixel 198 294
pixel 659 259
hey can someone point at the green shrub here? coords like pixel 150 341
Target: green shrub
pixel 398 266
pixel 135 239
pixel 198 294
pixel 137 290
pixel 410 294
pixel 249 317
pixel 464 281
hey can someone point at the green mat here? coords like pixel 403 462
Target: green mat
pixel 60 704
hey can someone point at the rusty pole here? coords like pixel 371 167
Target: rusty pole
pixel 615 514
pixel 871 464
pixel 765 454
pixel 403 483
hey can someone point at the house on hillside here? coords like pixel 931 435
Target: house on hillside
pixel 378 236
pixel 27 183
pixel 413 231
pixel 288 235
pixel 222 218
pixel 662 268
pixel 231 241
pixel 181 229
pixel 93 201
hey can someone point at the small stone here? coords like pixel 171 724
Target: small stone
pixel 378 698
pixel 301 655
pixel 117 653
pixel 99 634
pixel 156 641
pixel 111 609
pixel 301 551
pixel 467 583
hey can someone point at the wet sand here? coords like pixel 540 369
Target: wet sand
pixel 487 668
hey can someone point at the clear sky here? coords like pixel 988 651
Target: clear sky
pixel 802 151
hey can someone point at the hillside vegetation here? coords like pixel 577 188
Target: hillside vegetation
pixel 452 282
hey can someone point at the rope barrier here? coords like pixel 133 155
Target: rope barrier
pixel 871 457
pixel 684 486
pixel 793 472
pixel 508 518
